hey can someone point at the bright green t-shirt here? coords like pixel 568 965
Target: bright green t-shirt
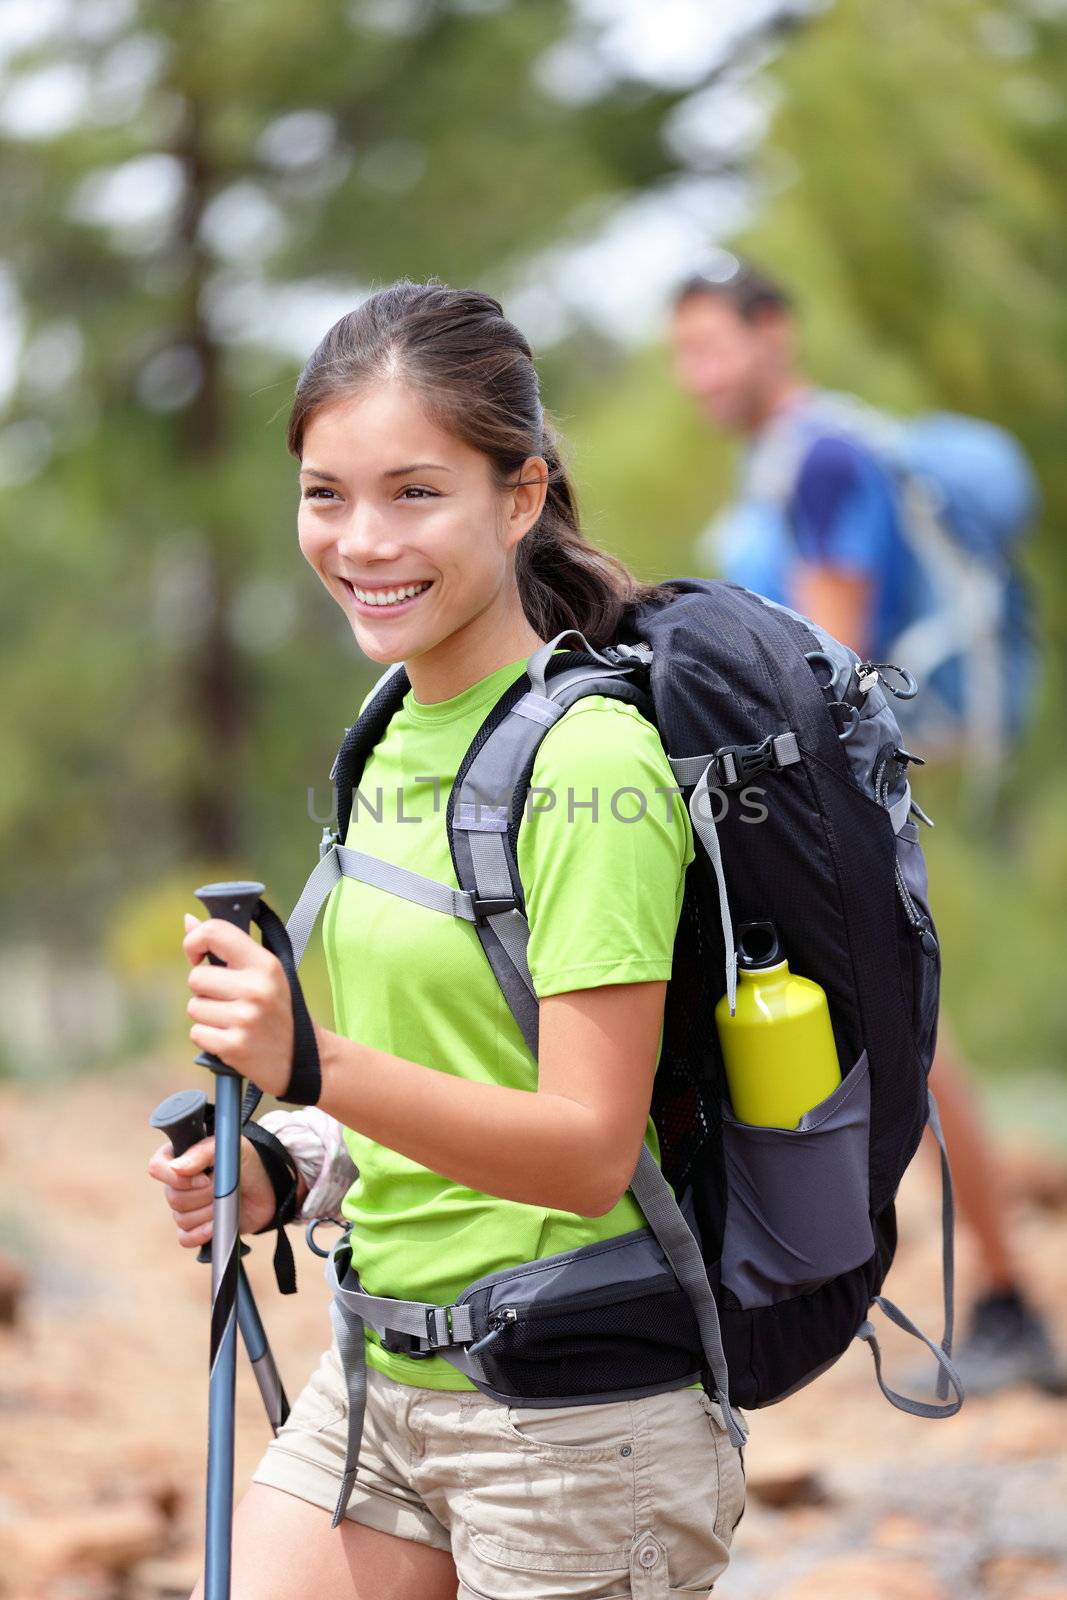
pixel 603 898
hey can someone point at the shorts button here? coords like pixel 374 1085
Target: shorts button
pixel 627 1450
pixel 648 1555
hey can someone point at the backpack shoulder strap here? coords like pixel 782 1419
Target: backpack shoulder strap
pixel 360 739
pixel 487 799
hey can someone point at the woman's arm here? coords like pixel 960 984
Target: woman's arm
pixel 572 1145
pixel 838 601
pixel 325 1170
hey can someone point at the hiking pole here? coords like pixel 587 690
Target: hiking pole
pixel 183 1118
pixel 236 903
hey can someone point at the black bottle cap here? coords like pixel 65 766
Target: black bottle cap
pixel 757 946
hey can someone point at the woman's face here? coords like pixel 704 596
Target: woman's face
pixel 390 502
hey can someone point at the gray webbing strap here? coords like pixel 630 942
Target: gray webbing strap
pixel 305 913
pixel 662 1213
pixel 489 861
pixel 946 1371
pixel 428 892
pixel 687 769
pixel 535 667
pixel 350 1309
pixel 348 1328
pixel 450 1324
pixel 562 682
pixel 341 861
pixel 704 825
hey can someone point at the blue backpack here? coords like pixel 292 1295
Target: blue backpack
pixel 966 497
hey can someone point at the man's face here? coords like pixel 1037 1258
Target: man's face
pixel 730 367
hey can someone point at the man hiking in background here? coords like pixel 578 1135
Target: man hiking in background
pixel 826 522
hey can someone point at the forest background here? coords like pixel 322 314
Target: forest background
pixel 192 193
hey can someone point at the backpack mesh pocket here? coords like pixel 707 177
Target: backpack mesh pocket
pixel 798 1199
pixel 580 1347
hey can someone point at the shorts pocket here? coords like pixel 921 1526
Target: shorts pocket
pixel 321 1403
pixel 573 1433
pixel 731 1473
pixel 797 1208
pixel 550 1516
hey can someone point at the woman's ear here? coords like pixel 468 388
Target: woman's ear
pixel 526 499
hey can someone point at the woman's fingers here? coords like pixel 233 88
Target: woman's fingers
pixel 196 1160
pixel 218 1013
pixel 195 1217
pixel 189 1222
pixel 187 1171
pixel 192 1238
pixel 186 1201
pixel 218 983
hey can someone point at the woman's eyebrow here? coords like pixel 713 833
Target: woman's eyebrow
pixel 415 466
pixel 393 472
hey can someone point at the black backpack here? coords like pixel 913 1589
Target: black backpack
pixel 789 756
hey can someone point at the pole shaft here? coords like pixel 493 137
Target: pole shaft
pixel 264 1367
pixel 221 1391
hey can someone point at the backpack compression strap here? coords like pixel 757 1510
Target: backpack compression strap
pixel 946 1370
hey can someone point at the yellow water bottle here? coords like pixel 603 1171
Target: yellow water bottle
pixel 778 1047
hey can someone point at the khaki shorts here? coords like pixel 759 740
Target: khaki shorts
pixel 594 1502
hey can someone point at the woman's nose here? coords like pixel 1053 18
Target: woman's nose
pixel 366 537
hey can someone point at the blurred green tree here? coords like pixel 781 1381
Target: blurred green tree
pixel 914 196
pixel 192 193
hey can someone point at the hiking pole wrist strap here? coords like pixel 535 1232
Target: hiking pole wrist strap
pixel 303 1088
pixel 284 1179
pixel 305 1080
pixel 281 1170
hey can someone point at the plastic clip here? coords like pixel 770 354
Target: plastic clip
pixel 486 906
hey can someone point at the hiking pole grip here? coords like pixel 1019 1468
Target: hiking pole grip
pixel 231 902
pixel 237 903
pixel 183 1118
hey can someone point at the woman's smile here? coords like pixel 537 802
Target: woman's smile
pixel 386 601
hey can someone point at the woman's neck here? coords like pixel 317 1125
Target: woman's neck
pixel 468 655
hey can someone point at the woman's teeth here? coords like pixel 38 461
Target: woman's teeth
pixel 388 597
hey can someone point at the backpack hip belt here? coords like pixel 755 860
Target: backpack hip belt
pixel 614 1320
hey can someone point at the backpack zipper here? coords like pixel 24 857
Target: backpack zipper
pixel 507 1316
pixel 919 922
pixel 498 1321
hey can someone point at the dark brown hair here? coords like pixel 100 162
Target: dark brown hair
pixel 474 372
pixel 750 291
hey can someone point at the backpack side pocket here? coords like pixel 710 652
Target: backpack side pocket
pixel 797 1209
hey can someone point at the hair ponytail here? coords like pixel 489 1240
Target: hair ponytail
pixel 474 371
pixel 564 581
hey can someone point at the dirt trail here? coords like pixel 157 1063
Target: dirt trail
pixel 103 1400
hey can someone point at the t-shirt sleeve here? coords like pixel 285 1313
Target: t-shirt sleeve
pixel 841 510
pixel 602 854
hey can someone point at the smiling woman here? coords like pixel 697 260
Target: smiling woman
pixel 435 510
